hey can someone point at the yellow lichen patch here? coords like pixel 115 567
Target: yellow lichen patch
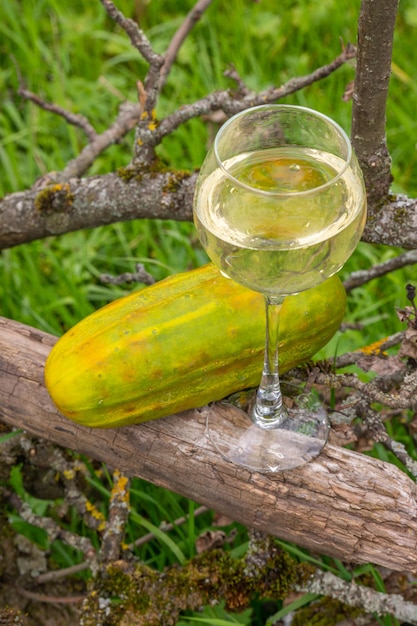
pixel 373 348
pixel 120 490
pixel 69 474
pixel 151 115
pixel 96 514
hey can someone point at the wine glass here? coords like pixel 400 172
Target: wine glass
pixel 279 206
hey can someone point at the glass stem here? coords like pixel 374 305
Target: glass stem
pixel 269 411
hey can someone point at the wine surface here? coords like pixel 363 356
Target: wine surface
pixel 282 222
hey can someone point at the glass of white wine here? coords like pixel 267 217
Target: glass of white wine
pixel 279 206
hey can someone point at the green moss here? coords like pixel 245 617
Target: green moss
pixel 149 597
pixel 129 173
pixel 174 180
pixel 157 166
pixel 54 199
pixel 400 215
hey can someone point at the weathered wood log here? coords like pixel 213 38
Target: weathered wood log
pixel 342 504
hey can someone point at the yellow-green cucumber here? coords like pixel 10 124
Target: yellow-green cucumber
pixel 190 339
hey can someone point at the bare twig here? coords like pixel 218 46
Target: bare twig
pixel 228 103
pixel 111 545
pixel 232 73
pixel 128 117
pixel 137 37
pixel 53 530
pixel 79 567
pixel 375 349
pixel 352 594
pixel 193 16
pixel 375 425
pixel 72 118
pixel 407 399
pixel 140 275
pixel 61 573
pixel 166 527
pixel 41 597
pixel 356 279
pixel 69 471
pixel 149 89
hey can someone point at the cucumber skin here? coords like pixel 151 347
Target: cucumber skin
pixel 188 340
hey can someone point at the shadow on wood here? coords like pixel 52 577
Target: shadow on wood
pixel 343 504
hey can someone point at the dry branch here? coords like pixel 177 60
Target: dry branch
pixel 375 38
pixel 61 202
pixel 343 504
pixel 393 221
pixel 360 277
pixel 96 201
pixel 176 42
pixel 353 594
pixel 72 118
pixel 90 202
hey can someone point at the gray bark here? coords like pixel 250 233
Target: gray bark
pixel 89 202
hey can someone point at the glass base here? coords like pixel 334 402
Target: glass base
pixel 298 439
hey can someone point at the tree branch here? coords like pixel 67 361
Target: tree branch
pixel 137 37
pixel 72 118
pixel 394 223
pixel 356 279
pixel 228 102
pixel 176 42
pixel 344 504
pixel 128 117
pixel 375 37
pixel 352 594
pixel 90 202
pixel 71 204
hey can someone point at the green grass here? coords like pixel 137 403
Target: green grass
pixel 73 55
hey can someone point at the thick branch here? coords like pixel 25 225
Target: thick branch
pixel 91 202
pixel 394 223
pixel 96 201
pixel 343 504
pixel 375 36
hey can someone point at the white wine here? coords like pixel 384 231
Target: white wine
pixel 281 220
